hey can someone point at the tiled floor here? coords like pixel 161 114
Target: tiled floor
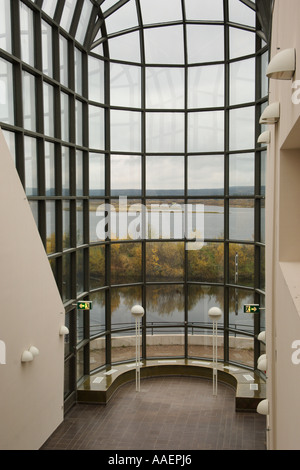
pixel 171 413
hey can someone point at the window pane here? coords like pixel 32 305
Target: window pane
pixel 97 314
pixel 96 127
pixel 164 45
pixel 49 7
pixel 242 123
pixel 6 96
pixel 241 42
pixel 204 10
pixel 97 266
pixel 35 211
pixel 125 47
pixel 67 15
pixel 125 85
pixel 66 291
pixel 84 21
pixel 96 174
pixel 240 13
pixel 126 175
pixel 164 88
pixel 79 222
pixel 47 48
pixel 165 219
pixel 65 164
pixel 165 132
pixel 264 78
pixel 65 117
pixel 165 305
pixel 122 301
pixel 31 178
pixel 164 342
pixel 78 71
pixel 50 169
pixel 205 43
pixel 200 300
pixel 241 219
pixel 63 55
pixel 27 32
pixel 165 261
pixel 242 81
pixel 125 131
pixel 205 175
pixel 241 349
pixel 48 109
pixel 98 230
pixel 50 227
pixel 241 174
pixel 124 18
pixel 79 173
pixel 125 222
pixel 97 353
pixel 241 264
pixel 126 263
pixel 164 175
pixel 213 217
pixel 80 272
pixel 206 86
pixel 5 26
pixel 66 225
pixel 79 122
pixel 96 79
pixel 29 112
pixel 156 11
pixel 206 131
pixel 207 264
pixel 10 141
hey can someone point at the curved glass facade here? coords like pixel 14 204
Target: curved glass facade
pixel 133 125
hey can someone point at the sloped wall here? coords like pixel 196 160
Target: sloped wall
pixel 31 313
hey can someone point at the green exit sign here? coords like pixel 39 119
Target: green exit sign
pixel 84 305
pixel 251 308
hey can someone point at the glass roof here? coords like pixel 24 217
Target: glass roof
pixel 94 22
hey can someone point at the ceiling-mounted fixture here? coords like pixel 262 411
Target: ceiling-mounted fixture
pixel 283 65
pixel 271 114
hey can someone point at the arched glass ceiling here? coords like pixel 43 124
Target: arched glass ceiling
pixel 92 22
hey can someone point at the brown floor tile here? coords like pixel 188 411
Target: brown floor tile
pixel 171 413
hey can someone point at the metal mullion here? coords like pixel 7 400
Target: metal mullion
pixel 226 182
pixel 143 176
pixel 76 18
pixel 37 37
pixel 185 179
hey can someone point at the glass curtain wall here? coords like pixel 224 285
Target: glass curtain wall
pixel 133 126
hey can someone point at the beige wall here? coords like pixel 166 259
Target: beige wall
pixel 283 242
pixel 31 313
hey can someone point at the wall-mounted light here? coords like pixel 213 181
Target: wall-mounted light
pixel 271 114
pixel 262 336
pixel 27 356
pixel 264 138
pixel 63 330
pixel 34 351
pixel 262 363
pixel 263 407
pixel 283 65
